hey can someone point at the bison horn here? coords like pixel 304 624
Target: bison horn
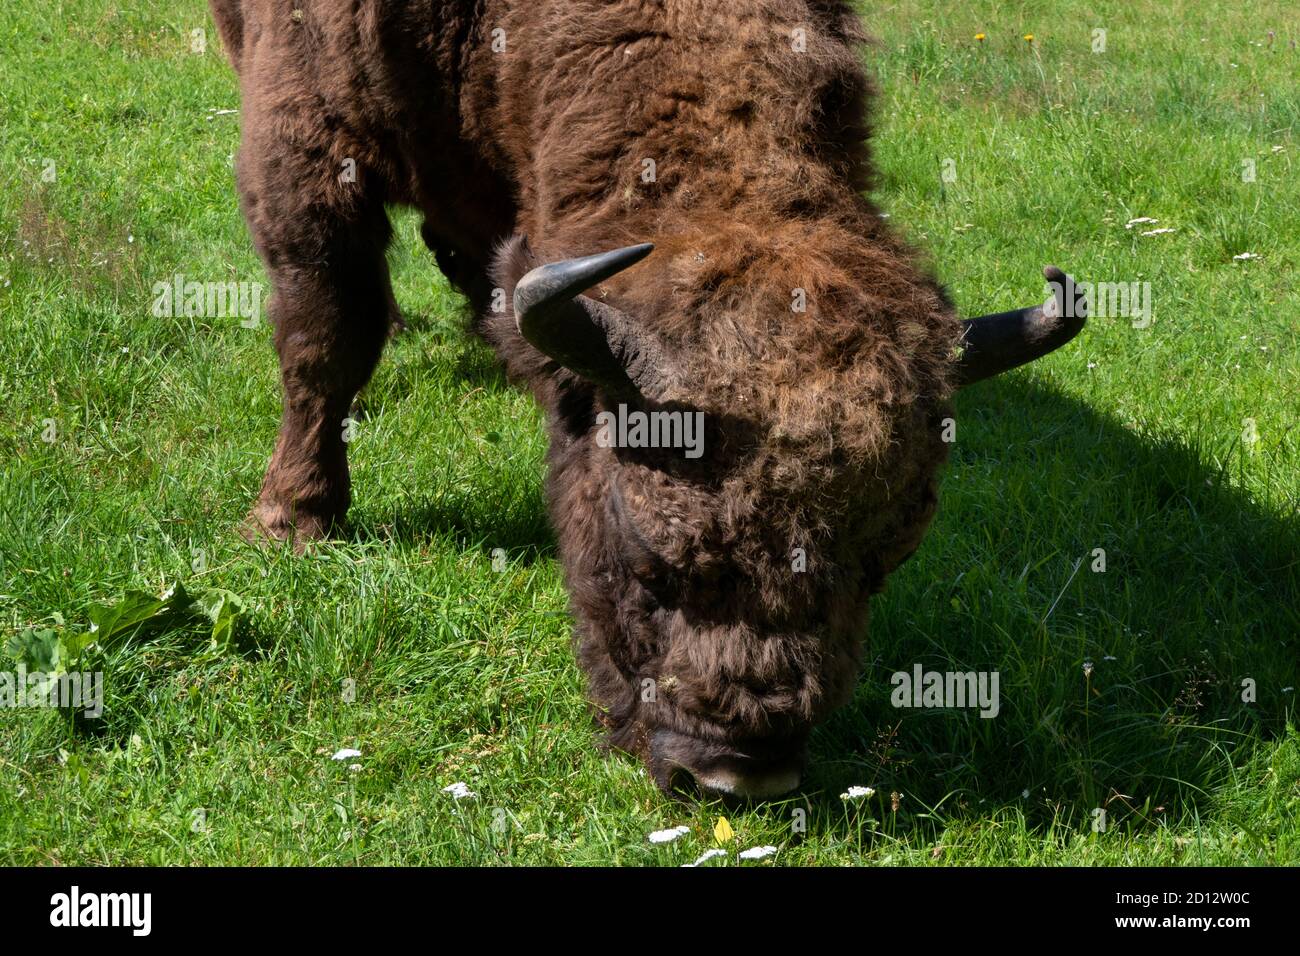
pixel 588 337
pixel 996 343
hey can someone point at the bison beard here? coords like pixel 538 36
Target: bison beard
pixel 720 602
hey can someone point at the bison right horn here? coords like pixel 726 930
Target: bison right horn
pixel 996 343
pixel 590 338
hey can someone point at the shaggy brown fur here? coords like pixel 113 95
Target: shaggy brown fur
pixel 823 426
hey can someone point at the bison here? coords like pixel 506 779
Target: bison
pixel 720 600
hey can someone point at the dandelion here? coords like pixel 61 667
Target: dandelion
pixel 856 793
pixel 757 852
pixel 347 753
pixel 1029 38
pixel 708 855
pixel 459 791
pixel 980 38
pixel 668 836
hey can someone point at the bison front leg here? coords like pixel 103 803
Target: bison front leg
pixel 332 306
pixel 330 324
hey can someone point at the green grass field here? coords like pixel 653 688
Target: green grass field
pixel 131 447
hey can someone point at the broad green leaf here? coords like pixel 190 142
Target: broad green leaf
pixel 224 609
pixel 134 609
pixel 37 649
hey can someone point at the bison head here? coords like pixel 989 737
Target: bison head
pixel 733 473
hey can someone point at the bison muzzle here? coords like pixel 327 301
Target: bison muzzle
pixel 655 208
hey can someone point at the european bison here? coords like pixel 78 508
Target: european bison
pixel 720 599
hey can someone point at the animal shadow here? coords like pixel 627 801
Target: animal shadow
pixel 1140 610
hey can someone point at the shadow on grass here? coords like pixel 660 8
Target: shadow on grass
pixel 1123 689
pixel 475 364
pixel 472 520
pixel 1137 689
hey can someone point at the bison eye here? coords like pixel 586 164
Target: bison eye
pixel 668 556
pixel 629 543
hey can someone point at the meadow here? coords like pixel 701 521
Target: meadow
pixel 1118 537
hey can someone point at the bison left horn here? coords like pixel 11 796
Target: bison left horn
pixel 590 338
pixel 996 343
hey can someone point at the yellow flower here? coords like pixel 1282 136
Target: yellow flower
pixel 980 37
pixel 1029 38
pixel 722 831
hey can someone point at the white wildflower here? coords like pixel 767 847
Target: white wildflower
pixel 757 852
pixel 856 792
pixel 459 791
pixel 708 855
pixel 347 753
pixel 668 836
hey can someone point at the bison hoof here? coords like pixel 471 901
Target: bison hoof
pixel 271 521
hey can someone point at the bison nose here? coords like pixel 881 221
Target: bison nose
pixel 756 772
pixel 753 785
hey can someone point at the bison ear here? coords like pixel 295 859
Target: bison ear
pixel 992 344
pixel 590 338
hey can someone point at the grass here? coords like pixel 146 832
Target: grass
pixel 1130 440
